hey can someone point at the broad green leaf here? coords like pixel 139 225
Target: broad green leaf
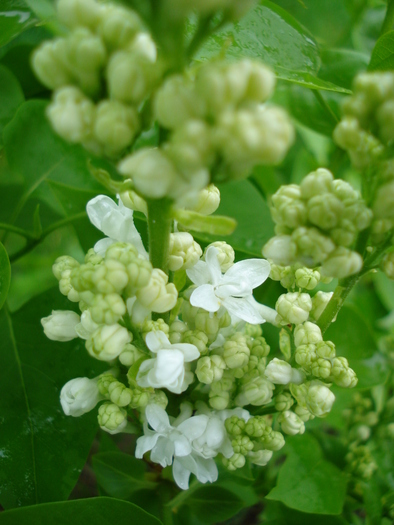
pixel 382 58
pixel 98 511
pixel 5 274
pixel 277 514
pixel 354 340
pixel 11 96
pixel 15 17
pixel 42 450
pixel 211 504
pixel 242 201
pixel 307 482
pixel 120 474
pixel 373 501
pixel 342 65
pixel 385 289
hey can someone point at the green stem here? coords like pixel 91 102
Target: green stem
pixel 319 97
pixel 159 229
pixel 15 229
pixel 388 19
pixel 180 498
pixel 202 32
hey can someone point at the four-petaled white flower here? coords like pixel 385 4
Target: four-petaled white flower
pixel 116 222
pixel 233 290
pixel 167 370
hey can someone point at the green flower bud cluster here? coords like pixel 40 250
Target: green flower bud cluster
pixel 360 461
pixel 367 125
pixel 317 223
pixel 199 319
pixel 104 52
pixel 62 270
pixel 184 251
pixel 114 390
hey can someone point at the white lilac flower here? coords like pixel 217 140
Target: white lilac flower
pixel 60 325
pixel 79 395
pixel 116 222
pixel 233 290
pixel 167 370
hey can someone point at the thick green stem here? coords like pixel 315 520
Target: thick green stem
pixel 14 229
pixel 159 229
pixel 388 19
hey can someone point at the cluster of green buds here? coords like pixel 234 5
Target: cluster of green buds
pixel 317 224
pixel 366 128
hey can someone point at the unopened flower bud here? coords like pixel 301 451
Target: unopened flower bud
pixel 242 445
pixel 210 369
pixel 235 425
pixel 294 307
pixel 236 352
pixel 158 296
pixel 60 325
pixel 107 342
pixel 257 392
pixel 305 355
pixel 154 326
pixel 321 368
pixel 313 246
pixel 319 302
pixel 225 254
pixel 307 333
pixel 291 423
pixel 118 26
pixel 79 396
pixel 259 347
pixel 281 250
pixel 112 418
pixel 115 126
pixel 219 400
pixel 133 201
pixel 319 400
pixel 319 182
pixel 208 201
pixel 342 374
pixel 184 251
pixel 325 211
pixel 129 355
pixel 196 338
pixel 107 309
pixel 52 72
pixel 283 401
pixel 235 462
pixel 260 457
pixel 281 373
pixel 76 13
pixel 307 278
pixel 342 263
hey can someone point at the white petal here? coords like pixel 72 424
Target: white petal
pixel 269 314
pixel 253 271
pixel 142 376
pixel 244 309
pixel 181 474
pixel 204 297
pixel 189 351
pixel 206 470
pixel 145 443
pixel 163 452
pixel 154 342
pixel 199 274
pixel 169 366
pixel 211 257
pixel 98 208
pixel 102 245
pixel 194 427
pixel 182 446
pixel 157 418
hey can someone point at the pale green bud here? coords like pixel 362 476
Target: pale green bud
pixel 285 343
pixel 196 338
pixel 272 441
pixel 154 326
pixel 275 271
pixel 257 426
pixel 76 13
pixel 281 250
pixel 210 369
pixel 226 384
pixel 123 252
pixel 92 257
pixel 235 425
pixel 226 254
pixel 260 457
pixel 71 114
pixel 176 102
pixel 111 418
pixel 236 352
pixel 321 368
pixel 158 296
pixel 129 355
pixel 242 445
pixel 325 211
pixel 387 265
pixel 184 251
pixel 219 400
pixel 383 204
pixel 385 120
pixel 325 349
pixel 151 171
pixel 287 279
pixel 118 26
pixel 107 309
pixel 319 399
pixel 348 134
pixel 344 191
pixel 358 214
pixel 130 77
pixel 110 276
pixel 60 325
pixel 307 333
pixel 377 86
pixel 177 329
pixel 319 302
pixel 114 390
pixel 159 398
pixel 235 462
pixel 133 201
pixel 50 70
pixel 288 208
pixel 281 373
pixel 305 355
pixel 140 273
pixel 253 330
pixel 86 54
pixel 142 397
pixel 303 413
pixel 313 246
pixel 307 278
pixel 291 423
pixel 294 307
pixel 319 182
pixel 257 392
pixel 342 263
pixel 342 374
pixel 65 262
pixel 107 342
pixel 256 363
pixel 259 347
pixel 283 401
pixel 211 324
pixel 66 287
pixel 115 126
pixel 345 234
pixel 207 202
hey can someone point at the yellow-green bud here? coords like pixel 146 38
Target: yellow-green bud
pixel 319 399
pixel 107 342
pixel 63 263
pixel 293 308
pixel 141 398
pixel 342 262
pixel 235 462
pixel 118 26
pixel 76 13
pixel 133 201
pixel 207 202
pixel 66 287
pixel 196 338
pixel 111 418
pixel 226 254
pixel 114 390
pixel 71 114
pixel 318 182
pixel 210 369
pixel 291 423
pixel 305 355
pixel 115 126
pixel 313 246
pixel 257 427
pixel 110 276
pixel 107 309
pixel 319 303
pixel 159 295
pixel 140 274
pixel 154 326
pixel 385 120
pixel 184 251
pixel 236 352
pixel 257 392
pixel 288 208
pixel 342 374
pixel 325 349
pixel 307 278
pixel 242 445
pixel 235 425
pixel 259 347
pixel 307 333
pixel 48 67
pixel 177 329
pixel 321 368
pixel 325 211
pixel 383 205
pixel 219 400
pixel 129 355
pixel 283 401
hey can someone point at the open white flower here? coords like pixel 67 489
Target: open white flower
pixel 233 290
pixel 116 222
pixel 167 370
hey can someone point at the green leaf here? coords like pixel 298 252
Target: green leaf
pixel 307 482
pixel 100 511
pixel 211 504
pixel 385 289
pixel 277 514
pixel 342 65
pixel 242 201
pixel 120 474
pixel 14 18
pixel 213 224
pixel 5 275
pixel 42 450
pixel 354 340
pixel 373 502
pixel 382 58
pixel 11 96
